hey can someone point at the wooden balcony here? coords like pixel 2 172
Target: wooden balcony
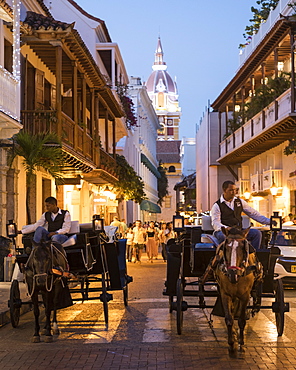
pixel 256 183
pixel 9 100
pixel 267 129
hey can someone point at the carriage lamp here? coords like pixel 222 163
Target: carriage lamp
pixel 275 222
pixel 11 229
pixel 98 224
pixel 178 223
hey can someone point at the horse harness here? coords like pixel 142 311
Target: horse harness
pixel 52 271
pixel 230 269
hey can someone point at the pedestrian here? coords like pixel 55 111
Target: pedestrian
pixel 226 212
pixel 116 223
pixel 151 242
pixel 129 242
pixel 123 228
pixel 169 232
pixel 162 240
pixel 139 240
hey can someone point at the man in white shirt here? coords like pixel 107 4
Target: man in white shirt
pixel 53 224
pixel 139 240
pixel 227 212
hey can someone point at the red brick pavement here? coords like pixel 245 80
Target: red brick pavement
pixel 160 356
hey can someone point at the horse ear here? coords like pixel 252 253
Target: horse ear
pixel 246 231
pixel 224 230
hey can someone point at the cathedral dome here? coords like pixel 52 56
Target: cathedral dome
pixel 160 80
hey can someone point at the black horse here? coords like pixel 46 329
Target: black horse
pixel 40 278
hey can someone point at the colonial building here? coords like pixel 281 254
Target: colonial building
pixel 162 90
pixel 255 118
pixel 65 89
pixel 139 148
pixel 9 102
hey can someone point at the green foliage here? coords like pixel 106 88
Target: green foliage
pixel 162 184
pixel 291 147
pixel 38 151
pixel 127 104
pixel 129 186
pixel 233 124
pixel 265 94
pixel 260 15
pixel 42 150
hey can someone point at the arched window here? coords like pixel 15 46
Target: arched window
pixel 161 99
pixel 172 169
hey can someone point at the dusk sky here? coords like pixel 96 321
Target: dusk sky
pixel 200 40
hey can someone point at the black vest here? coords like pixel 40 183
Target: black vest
pixel 231 217
pixel 58 221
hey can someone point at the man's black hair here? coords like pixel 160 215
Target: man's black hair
pixel 51 200
pixel 226 184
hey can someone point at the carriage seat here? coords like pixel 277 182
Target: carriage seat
pixel 207 227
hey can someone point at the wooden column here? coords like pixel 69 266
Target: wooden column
pixel 59 61
pixel 263 83
pixel 292 38
pixel 83 108
pixel 114 137
pixel 96 131
pixel 276 73
pixel 75 104
pixel 106 131
pixel 92 122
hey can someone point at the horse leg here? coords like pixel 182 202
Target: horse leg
pixel 48 335
pixel 229 320
pixel 57 290
pixel 36 337
pixel 242 320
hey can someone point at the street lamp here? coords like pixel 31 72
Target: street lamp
pixel 98 224
pixel 247 194
pixel 273 189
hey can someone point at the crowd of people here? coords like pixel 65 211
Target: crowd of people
pixel 150 237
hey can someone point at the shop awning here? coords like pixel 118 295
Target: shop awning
pixel 148 206
pixel 150 165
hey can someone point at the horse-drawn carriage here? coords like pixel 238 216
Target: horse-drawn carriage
pixel 97 265
pixel 198 270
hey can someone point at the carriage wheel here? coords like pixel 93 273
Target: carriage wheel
pixel 171 300
pixel 15 303
pixel 179 306
pixel 125 295
pixel 280 304
pixel 105 299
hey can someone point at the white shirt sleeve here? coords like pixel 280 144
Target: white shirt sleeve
pixel 66 225
pixel 255 215
pixel 27 229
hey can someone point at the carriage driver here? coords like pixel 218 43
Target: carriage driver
pixel 58 224
pixel 227 212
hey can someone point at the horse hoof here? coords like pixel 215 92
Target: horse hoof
pixel 241 349
pixel 56 331
pixel 35 339
pixel 48 339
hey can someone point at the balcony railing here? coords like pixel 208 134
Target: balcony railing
pixel 271 177
pixel 256 182
pixel 107 162
pixel 275 111
pixel 242 186
pixel 8 94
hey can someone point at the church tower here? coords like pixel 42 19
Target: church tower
pixel 162 90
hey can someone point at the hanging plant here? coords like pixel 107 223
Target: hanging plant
pixel 129 186
pixel 162 184
pixel 127 104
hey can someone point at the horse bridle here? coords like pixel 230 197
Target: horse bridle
pixel 35 276
pixel 234 272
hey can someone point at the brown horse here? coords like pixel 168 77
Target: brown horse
pixel 237 271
